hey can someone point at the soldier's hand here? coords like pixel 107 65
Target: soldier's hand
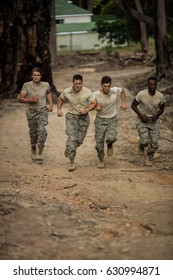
pixel 98 107
pixel 50 107
pixel 59 113
pixel 144 118
pixel 123 107
pixel 154 118
pixel 34 99
pixel 83 111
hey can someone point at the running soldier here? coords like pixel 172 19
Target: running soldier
pixel 36 93
pixel 81 101
pixel 106 117
pixel 148 104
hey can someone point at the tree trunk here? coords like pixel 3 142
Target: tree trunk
pixel 25 33
pixel 161 44
pixel 143 30
pixel 52 43
pixel 160 33
pixel 89 6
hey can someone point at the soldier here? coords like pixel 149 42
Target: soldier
pixel 106 118
pixel 35 93
pixel 81 101
pixel 148 104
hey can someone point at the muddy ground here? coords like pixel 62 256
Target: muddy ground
pixel 122 212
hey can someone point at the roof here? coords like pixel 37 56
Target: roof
pixel 75 27
pixel 65 7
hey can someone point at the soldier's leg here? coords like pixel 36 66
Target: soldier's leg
pixel 111 131
pixel 111 135
pixel 100 130
pixel 72 134
pixel 42 131
pixel 33 125
pixel 143 133
pixel 154 136
pixel 83 124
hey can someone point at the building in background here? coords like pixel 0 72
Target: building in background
pixel 74 28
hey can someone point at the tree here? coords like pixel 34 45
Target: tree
pixel 158 23
pixel 135 29
pixel 111 31
pixel 52 41
pixel 143 30
pixel 85 4
pixel 24 43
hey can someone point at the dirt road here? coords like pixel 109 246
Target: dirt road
pixel 122 212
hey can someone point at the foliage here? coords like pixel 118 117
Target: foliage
pixel 111 31
pixel 112 8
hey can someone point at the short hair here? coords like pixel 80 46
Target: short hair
pixel 106 80
pixel 37 69
pixel 78 77
pixel 152 78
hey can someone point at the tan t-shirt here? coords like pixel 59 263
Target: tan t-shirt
pixel 77 100
pixel 41 90
pixel 107 101
pixel 149 104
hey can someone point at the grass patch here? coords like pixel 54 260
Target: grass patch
pixel 131 47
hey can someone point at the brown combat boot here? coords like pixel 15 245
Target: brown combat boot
pixel 149 160
pixel 33 153
pixel 141 149
pixel 109 150
pixel 39 157
pixel 101 164
pixel 66 152
pixel 72 165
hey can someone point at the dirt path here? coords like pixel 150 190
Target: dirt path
pixel 122 212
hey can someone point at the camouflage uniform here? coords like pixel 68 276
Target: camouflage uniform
pixel 149 131
pixel 76 129
pixel 37 113
pixel 37 122
pixel 105 128
pixel 76 124
pixel 149 135
pixel 106 119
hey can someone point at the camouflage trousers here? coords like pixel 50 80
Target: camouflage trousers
pixel 105 130
pixel 76 130
pixel 37 122
pixel 148 135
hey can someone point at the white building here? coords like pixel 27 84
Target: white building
pixel 74 27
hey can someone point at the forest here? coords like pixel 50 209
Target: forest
pixel 27 29
pixel 119 213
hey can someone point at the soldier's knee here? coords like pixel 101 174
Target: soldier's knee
pixel 144 142
pixel 111 139
pixel 155 145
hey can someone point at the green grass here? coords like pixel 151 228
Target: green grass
pixel 131 47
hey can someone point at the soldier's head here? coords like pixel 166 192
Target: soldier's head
pixel 77 82
pixel 106 84
pixel 36 74
pixel 152 84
